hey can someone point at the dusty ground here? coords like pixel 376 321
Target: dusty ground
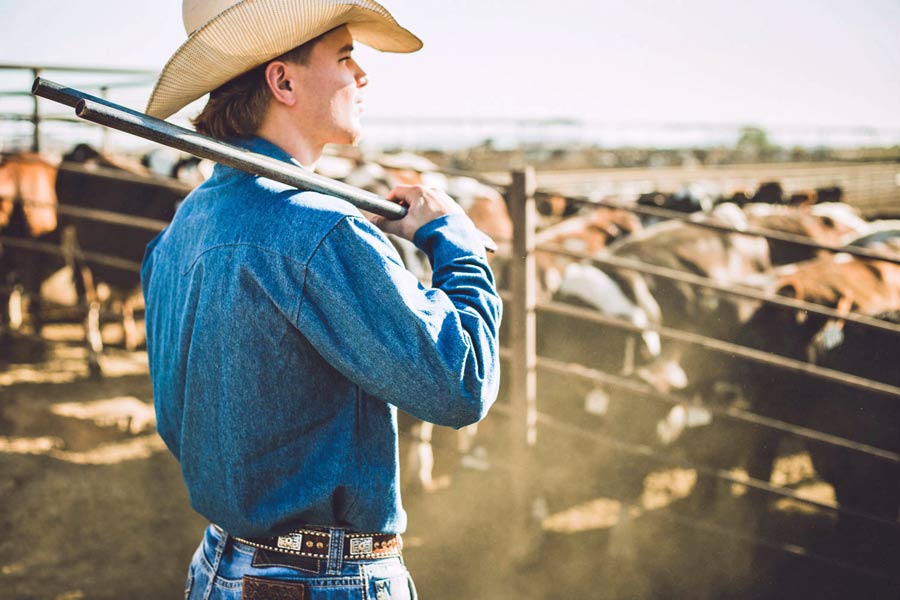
pixel 93 506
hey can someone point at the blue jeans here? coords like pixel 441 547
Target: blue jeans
pixel 220 562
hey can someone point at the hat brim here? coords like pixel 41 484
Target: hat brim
pixel 253 32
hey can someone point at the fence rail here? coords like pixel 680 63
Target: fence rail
pixel 872 187
pixel 36 117
pixel 521 310
pixel 524 364
pixel 738 291
pixel 779 236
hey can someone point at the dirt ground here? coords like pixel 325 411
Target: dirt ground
pixel 93 506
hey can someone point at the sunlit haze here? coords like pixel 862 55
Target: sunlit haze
pixel 811 63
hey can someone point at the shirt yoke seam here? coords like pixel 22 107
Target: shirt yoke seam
pixel 312 255
pixel 190 267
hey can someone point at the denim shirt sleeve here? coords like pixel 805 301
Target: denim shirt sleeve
pixel 432 352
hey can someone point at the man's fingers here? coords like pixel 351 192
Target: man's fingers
pixel 403 194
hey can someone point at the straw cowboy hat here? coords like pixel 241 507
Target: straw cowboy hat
pixel 227 38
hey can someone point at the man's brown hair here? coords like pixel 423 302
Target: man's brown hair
pixel 237 108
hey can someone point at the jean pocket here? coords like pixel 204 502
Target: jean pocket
pixel 413 594
pixel 189 583
pixel 394 588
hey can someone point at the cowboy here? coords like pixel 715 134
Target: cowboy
pixel 282 330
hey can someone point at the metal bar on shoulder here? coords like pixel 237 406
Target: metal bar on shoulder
pixel 104 112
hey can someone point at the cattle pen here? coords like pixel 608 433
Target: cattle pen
pixel 527 422
pixel 525 365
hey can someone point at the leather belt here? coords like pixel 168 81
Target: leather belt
pixel 313 543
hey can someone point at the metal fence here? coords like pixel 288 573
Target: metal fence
pixel 107 80
pixel 871 187
pixel 525 365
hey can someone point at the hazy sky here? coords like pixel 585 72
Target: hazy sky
pixel 817 62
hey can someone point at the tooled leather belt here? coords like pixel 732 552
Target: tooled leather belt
pixel 312 543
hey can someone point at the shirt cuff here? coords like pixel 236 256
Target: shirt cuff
pixel 449 237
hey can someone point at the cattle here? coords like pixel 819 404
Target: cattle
pixel 722 257
pixel 828 224
pixel 28 212
pixel 606 409
pixel 726 258
pixel 694 198
pixel 171 163
pixel 92 180
pixel 769 192
pixel 879 236
pixel 861 482
pixel 589 233
pixel 829 194
pixel 840 281
pixel 738 197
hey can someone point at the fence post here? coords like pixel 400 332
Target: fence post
pixel 36 117
pixel 104 93
pixel 522 329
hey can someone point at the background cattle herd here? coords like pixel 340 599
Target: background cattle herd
pixel 664 383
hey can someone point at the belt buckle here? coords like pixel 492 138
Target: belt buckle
pixel 361 545
pixel 292 541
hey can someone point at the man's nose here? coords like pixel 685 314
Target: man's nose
pixel 362 80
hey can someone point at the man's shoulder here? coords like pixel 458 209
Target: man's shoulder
pixel 290 205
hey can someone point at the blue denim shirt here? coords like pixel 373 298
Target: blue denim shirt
pixel 283 334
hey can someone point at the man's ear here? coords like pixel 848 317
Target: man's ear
pixel 280 84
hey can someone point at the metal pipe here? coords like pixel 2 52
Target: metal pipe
pixel 118 117
pixel 62 94
pixel 733 414
pixel 718 346
pixel 650 452
pixel 36 118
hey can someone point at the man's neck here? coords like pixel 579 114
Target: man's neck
pixel 305 151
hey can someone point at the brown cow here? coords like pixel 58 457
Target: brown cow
pixel 30 180
pixel 28 208
pixel 829 224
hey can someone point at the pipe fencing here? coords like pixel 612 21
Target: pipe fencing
pixel 524 363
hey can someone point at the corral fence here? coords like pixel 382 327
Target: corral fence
pixel 529 424
pixel 104 81
pixel 874 188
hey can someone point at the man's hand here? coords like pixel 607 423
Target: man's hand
pixel 423 206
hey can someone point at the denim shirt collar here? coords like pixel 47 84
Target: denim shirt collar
pixel 266 148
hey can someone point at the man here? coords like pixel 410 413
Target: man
pixel 282 330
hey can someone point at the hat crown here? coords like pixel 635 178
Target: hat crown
pixel 197 13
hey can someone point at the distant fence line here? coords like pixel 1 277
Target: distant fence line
pixel 873 188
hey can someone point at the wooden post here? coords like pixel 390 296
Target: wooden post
pixel 522 368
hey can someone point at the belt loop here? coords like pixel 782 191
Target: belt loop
pixel 217 559
pixel 335 552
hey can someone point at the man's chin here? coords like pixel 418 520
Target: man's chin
pixel 348 137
